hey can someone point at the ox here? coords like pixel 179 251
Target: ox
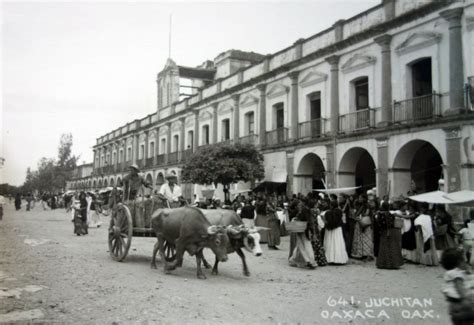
pixel 239 236
pixel 187 230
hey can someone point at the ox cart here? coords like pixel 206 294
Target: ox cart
pixel 133 219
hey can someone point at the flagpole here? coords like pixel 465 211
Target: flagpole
pixel 169 38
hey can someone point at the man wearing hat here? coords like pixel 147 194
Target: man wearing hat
pixel 171 191
pixel 132 183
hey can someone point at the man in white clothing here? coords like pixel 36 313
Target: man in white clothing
pixel 171 191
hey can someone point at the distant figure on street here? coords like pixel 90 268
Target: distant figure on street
pixel 44 201
pixel 2 203
pixel 18 201
pixel 29 198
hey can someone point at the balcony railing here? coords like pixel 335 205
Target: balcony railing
pixel 160 159
pixel 312 129
pixel 249 139
pixel 186 154
pixel 173 157
pixel 358 120
pixel 149 162
pixel 417 108
pixel 277 136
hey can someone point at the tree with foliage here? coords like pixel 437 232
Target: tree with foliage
pixel 224 164
pixel 51 175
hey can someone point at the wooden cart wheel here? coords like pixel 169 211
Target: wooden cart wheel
pixel 120 233
pixel 170 252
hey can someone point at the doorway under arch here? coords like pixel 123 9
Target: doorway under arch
pixel 357 168
pixel 310 174
pixel 418 161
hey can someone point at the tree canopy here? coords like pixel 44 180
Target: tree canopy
pixel 224 164
pixel 51 175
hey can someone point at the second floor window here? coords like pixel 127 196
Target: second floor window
pixel 250 123
pixel 120 157
pixel 205 134
pixel 225 129
pixel 163 146
pixel 361 92
pixel 142 151
pixel 279 115
pixel 175 143
pixel 151 151
pixel 129 154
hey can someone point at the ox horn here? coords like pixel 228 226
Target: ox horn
pixel 211 230
pixel 234 230
pixel 258 228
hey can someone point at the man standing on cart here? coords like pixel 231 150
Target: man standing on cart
pixel 132 183
pixel 171 192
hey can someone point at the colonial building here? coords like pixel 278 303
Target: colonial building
pixel 378 100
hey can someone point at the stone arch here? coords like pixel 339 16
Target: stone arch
pixel 420 161
pixel 160 179
pixel 149 179
pixel 106 182
pixel 112 182
pixel 94 183
pixel 310 174
pixel 99 183
pixel 357 168
pixel 119 181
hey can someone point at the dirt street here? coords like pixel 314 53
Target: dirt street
pixel 47 274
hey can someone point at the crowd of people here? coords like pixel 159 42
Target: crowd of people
pixel 359 226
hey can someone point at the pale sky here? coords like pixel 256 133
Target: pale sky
pixel 90 67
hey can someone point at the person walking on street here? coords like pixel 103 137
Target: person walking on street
pixel 18 201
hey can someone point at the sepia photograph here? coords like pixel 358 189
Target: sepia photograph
pixel 237 162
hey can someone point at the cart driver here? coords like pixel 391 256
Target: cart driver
pixel 132 183
pixel 171 191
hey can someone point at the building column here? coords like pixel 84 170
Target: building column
pixel 157 145
pixel 168 142
pixel 453 165
pixel 262 114
pixel 196 131
pixel 294 104
pixel 117 153
pixel 330 166
pixel 135 149
pixel 145 152
pixel 94 165
pixel 182 135
pixel 386 86
pixel 382 167
pixel 214 123
pixel 235 99
pixel 334 62
pixel 456 68
pixel 290 157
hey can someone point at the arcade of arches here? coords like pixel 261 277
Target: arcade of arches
pixel 418 161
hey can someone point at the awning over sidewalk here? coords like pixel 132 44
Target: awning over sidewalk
pixel 337 190
pixel 465 197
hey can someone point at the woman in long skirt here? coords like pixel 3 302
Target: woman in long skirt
pixel 390 249
pixel 316 240
pixel 301 251
pixel 425 243
pixel 334 244
pixel 363 240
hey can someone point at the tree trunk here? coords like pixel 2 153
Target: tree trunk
pixel 226 193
